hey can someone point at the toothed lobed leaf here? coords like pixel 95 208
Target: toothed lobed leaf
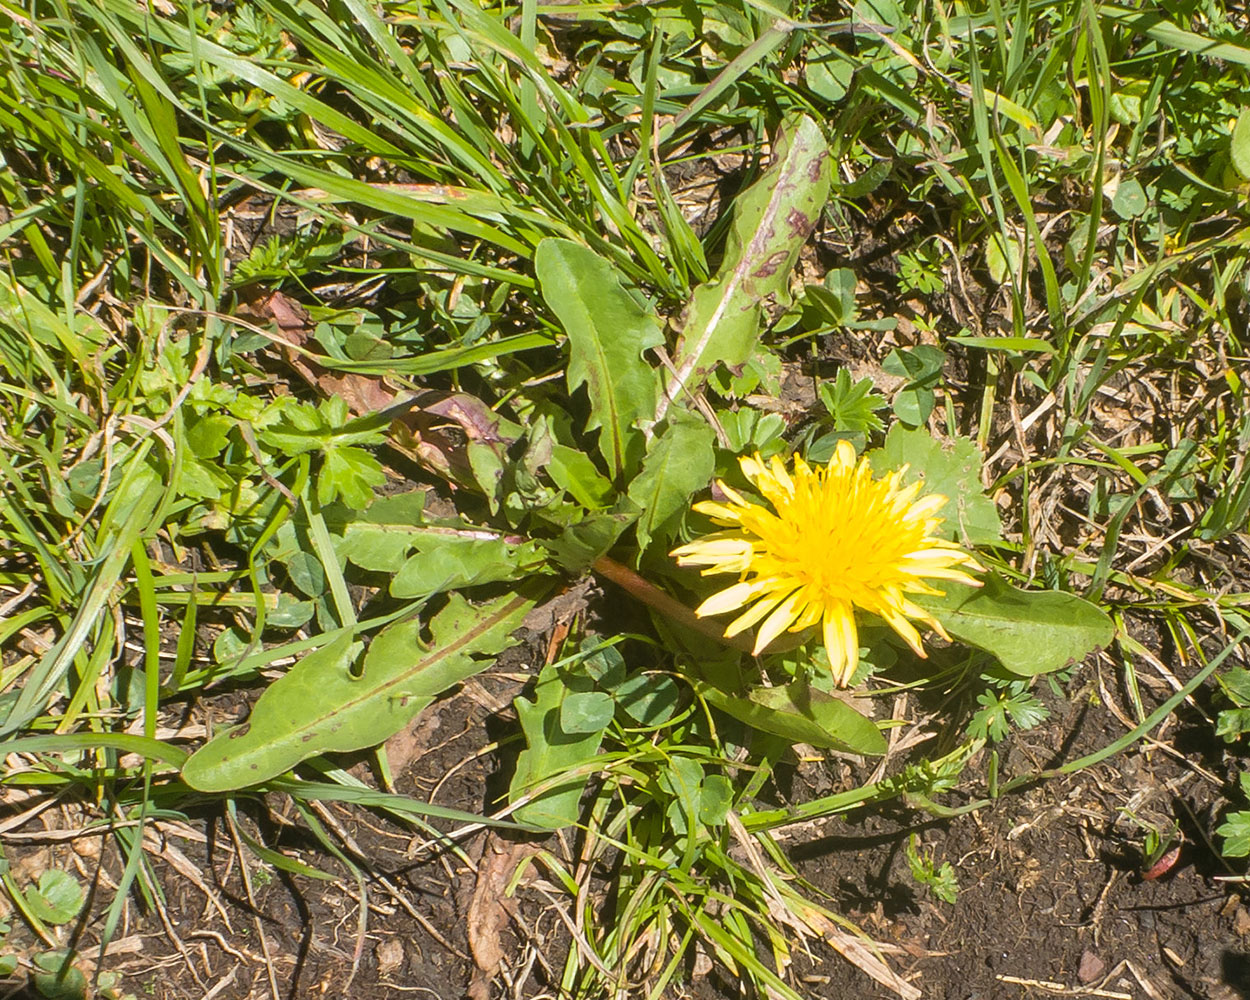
pixel 319 706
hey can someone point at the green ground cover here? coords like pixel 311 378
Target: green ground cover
pixel 336 339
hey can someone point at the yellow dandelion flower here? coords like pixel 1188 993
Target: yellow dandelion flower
pixel 835 539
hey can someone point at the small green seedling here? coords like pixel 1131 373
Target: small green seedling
pixel 924 869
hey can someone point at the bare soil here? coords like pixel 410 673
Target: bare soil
pixel 1055 894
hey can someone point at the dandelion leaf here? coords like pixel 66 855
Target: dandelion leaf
pixel 320 706
pixel 679 462
pixel 771 221
pixel 1030 632
pixel 608 329
pixel 951 468
pixel 431 555
pixel 801 714
pixel 563 727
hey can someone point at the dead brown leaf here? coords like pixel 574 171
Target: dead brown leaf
pixel 411 742
pixel 1241 922
pixel 362 393
pixel 390 955
pixel 562 608
pixel 489 910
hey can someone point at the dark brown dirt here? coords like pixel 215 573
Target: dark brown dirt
pixel 1053 898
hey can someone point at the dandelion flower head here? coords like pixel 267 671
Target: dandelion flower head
pixel 831 540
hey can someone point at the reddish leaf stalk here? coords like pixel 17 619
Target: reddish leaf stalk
pixel 670 607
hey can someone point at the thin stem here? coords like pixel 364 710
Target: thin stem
pixel 653 596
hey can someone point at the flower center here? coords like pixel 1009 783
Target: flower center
pixel 840 536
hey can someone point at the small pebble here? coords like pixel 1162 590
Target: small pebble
pixel 1091 969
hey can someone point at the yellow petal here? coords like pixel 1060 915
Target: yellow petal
pixel 782 477
pixel 812 614
pixel 943 573
pixel 843 455
pixel 720 512
pixel 728 553
pixel 906 632
pixel 842 643
pixel 753 614
pixel 776 623
pixel 733 495
pixel 926 506
pixel 729 599
pixel 835 647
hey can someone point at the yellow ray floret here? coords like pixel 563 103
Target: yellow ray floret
pixel 835 539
